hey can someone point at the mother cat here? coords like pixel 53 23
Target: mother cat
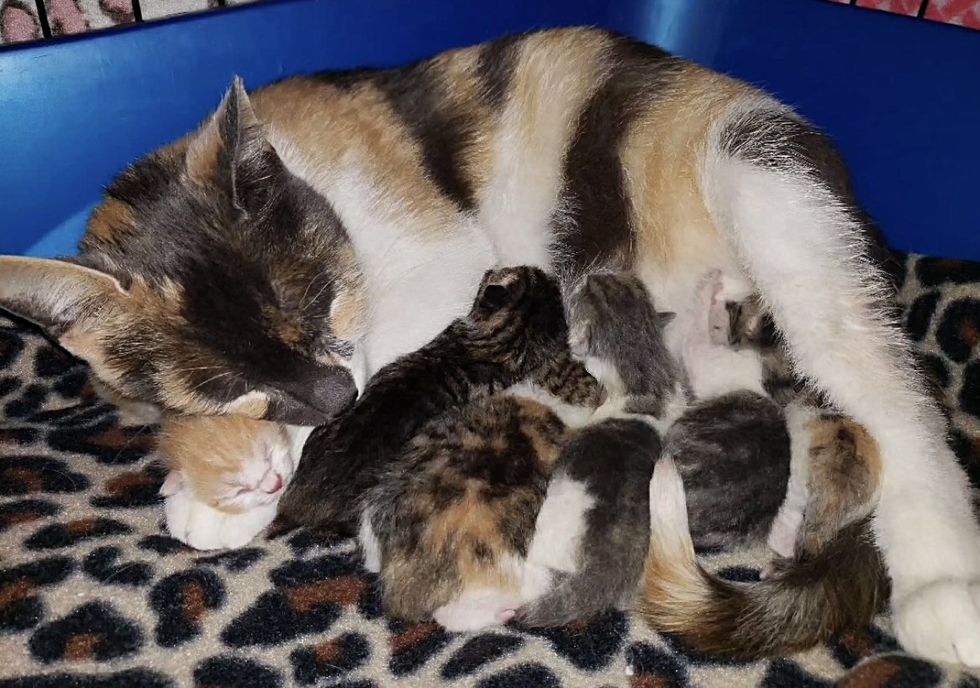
pixel 309 233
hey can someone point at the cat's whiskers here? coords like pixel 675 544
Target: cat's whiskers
pixel 211 379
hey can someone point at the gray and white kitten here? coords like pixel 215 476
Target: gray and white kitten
pixel 733 452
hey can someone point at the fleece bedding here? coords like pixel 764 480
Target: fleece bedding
pixel 93 592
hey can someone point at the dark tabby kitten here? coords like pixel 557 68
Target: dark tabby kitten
pixel 515 331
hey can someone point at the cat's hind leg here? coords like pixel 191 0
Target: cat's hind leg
pixel 779 193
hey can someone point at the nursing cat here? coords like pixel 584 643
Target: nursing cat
pixel 312 231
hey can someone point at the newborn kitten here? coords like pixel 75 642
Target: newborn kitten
pixel 231 463
pixel 592 533
pixel 834 579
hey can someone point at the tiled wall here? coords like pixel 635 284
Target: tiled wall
pixel 28 20
pixel 959 12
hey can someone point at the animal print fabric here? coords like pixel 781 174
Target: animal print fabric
pixel 94 594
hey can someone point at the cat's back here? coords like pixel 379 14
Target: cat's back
pixel 733 453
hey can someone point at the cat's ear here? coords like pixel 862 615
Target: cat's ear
pixel 61 297
pixel 231 150
pixel 664 318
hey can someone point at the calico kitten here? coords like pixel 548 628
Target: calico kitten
pixel 515 331
pixel 831 577
pixel 451 518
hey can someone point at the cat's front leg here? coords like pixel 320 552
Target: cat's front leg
pixel 226 477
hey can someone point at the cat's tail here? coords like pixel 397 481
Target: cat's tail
pixel 805 601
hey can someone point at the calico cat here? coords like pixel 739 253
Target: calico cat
pixel 314 230
pixel 515 331
pixel 830 577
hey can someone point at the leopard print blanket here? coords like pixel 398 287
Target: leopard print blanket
pixel 93 593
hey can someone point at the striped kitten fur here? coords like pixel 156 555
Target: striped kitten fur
pixel 831 577
pixel 308 233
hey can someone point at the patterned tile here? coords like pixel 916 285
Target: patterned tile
pixel 960 12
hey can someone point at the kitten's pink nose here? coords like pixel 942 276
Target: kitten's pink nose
pixel 271 482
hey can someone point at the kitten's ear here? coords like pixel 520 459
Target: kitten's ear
pixel 231 150
pixel 665 317
pixel 59 296
pixel 172 485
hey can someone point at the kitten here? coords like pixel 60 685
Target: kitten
pixel 733 450
pixel 592 533
pixel 230 463
pixel 448 495
pixel 224 469
pixel 516 330
pixel 833 579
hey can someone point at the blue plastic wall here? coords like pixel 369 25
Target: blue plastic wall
pixel 902 97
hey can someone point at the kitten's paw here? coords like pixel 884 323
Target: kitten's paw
pixel 201 526
pixel 477 609
pixel 941 622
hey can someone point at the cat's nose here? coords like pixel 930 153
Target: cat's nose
pixel 271 482
pixel 334 391
pixel 315 400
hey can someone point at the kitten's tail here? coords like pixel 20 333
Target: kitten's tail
pixel 807 600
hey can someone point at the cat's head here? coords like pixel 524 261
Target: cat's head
pixel 618 332
pixel 520 308
pixel 231 463
pixel 210 281
pixel 750 326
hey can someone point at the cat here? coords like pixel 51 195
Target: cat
pixel 308 233
pixel 231 466
pixel 830 576
pixel 515 331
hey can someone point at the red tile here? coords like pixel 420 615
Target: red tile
pixel 908 7
pixel 962 12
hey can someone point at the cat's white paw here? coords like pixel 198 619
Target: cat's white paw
pixel 941 622
pixel 201 526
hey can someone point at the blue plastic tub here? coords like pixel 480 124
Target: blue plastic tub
pixel 900 96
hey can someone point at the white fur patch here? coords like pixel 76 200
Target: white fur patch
pixel 571 415
pixel 786 526
pixel 202 527
pixel 560 525
pixel 370 547
pixel 477 608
